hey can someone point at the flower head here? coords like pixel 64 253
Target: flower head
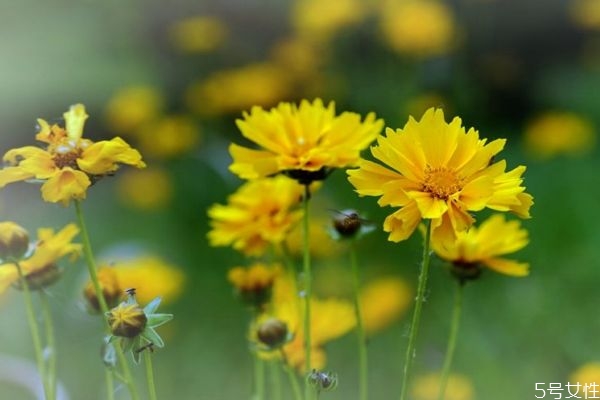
pixel 383 301
pixel 304 141
pixel 435 170
pixel 69 164
pixel 258 214
pixel 40 269
pixel 14 241
pixel 482 247
pixel 253 285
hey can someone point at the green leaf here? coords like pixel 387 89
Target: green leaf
pixel 155 320
pixel 150 335
pixel 152 306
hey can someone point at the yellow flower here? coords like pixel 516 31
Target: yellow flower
pixel 133 106
pixel 70 163
pixel 306 140
pixel 254 284
pixel 149 189
pixel 198 34
pixel 588 373
pixel 318 20
pixel 383 301
pixel 427 387
pixel 233 90
pixel 127 320
pixel 440 172
pixel 418 27
pixel 50 248
pixel 150 276
pixel 479 247
pixel 322 245
pixel 168 136
pixel 555 133
pixel 258 214
pixel 111 289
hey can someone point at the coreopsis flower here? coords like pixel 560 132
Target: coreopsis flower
pixel 69 164
pixel 554 133
pixel 40 268
pixel 482 247
pixel 438 171
pixel 133 106
pixel 149 189
pixel 318 21
pixel 383 301
pixel 258 214
pixel 168 136
pixel 135 326
pixel 427 387
pixel 304 141
pixel 198 34
pixel 418 27
pixel 253 284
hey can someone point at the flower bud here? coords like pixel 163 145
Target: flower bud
pixel 41 277
pixel 127 320
pixel 273 333
pixel 322 381
pixel 14 241
pixel 111 290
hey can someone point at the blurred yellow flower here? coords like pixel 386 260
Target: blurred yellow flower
pixel 151 277
pixel 305 141
pixel 149 189
pixel 253 284
pixel 258 214
pixel 481 247
pixel 319 21
pixel 70 163
pixel 233 90
pixel 40 268
pixel 299 57
pixel 554 133
pixel 427 387
pixel 588 373
pixel 322 245
pixel 586 13
pixel 133 106
pixel 111 289
pixel 438 171
pixel 383 301
pixel 418 27
pixel 168 136
pixel 198 34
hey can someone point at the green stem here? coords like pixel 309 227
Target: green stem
pixel 34 329
pixel 291 377
pixel 452 339
pixel 360 331
pixel 50 344
pixel 276 381
pixel 420 299
pixel 91 265
pixel 150 375
pixel 259 378
pixel 307 289
pixel 110 392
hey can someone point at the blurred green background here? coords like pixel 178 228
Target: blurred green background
pixel 510 69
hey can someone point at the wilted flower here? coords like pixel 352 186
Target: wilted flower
pixel 258 214
pixel 438 171
pixel 482 246
pixel 70 163
pixel 306 142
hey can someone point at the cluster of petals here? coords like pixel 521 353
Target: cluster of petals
pixel 438 171
pixel 69 164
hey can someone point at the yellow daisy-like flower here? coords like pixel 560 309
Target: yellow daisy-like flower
pixel 168 136
pixel 70 163
pixel 198 34
pixel 304 141
pixel 319 20
pixel 483 246
pixel 258 214
pixel 132 106
pixel 384 301
pixel 554 133
pixel 435 170
pixel 50 248
pixel 150 189
pixel 427 387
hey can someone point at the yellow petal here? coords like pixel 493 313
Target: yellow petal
pixel 252 164
pixel 430 207
pixel 65 185
pixel 402 223
pixel 75 120
pixel 508 267
pixel 8 275
pixel 369 178
pixel 104 156
pixel 13 174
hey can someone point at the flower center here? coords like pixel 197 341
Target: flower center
pixel 441 182
pixel 66 155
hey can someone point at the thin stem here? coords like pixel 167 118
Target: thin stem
pixel 360 329
pixel 91 265
pixel 291 377
pixel 34 329
pixel 307 288
pixel 452 339
pixel 259 378
pixel 275 381
pixel 110 392
pixel 420 299
pixel 50 345
pixel 150 375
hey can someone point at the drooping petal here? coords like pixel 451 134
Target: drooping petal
pixel 13 174
pixel 66 185
pixel 402 223
pixel 103 157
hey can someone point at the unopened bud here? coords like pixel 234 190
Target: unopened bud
pixel 40 277
pixel 107 278
pixel 273 333
pixel 127 320
pixel 14 241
